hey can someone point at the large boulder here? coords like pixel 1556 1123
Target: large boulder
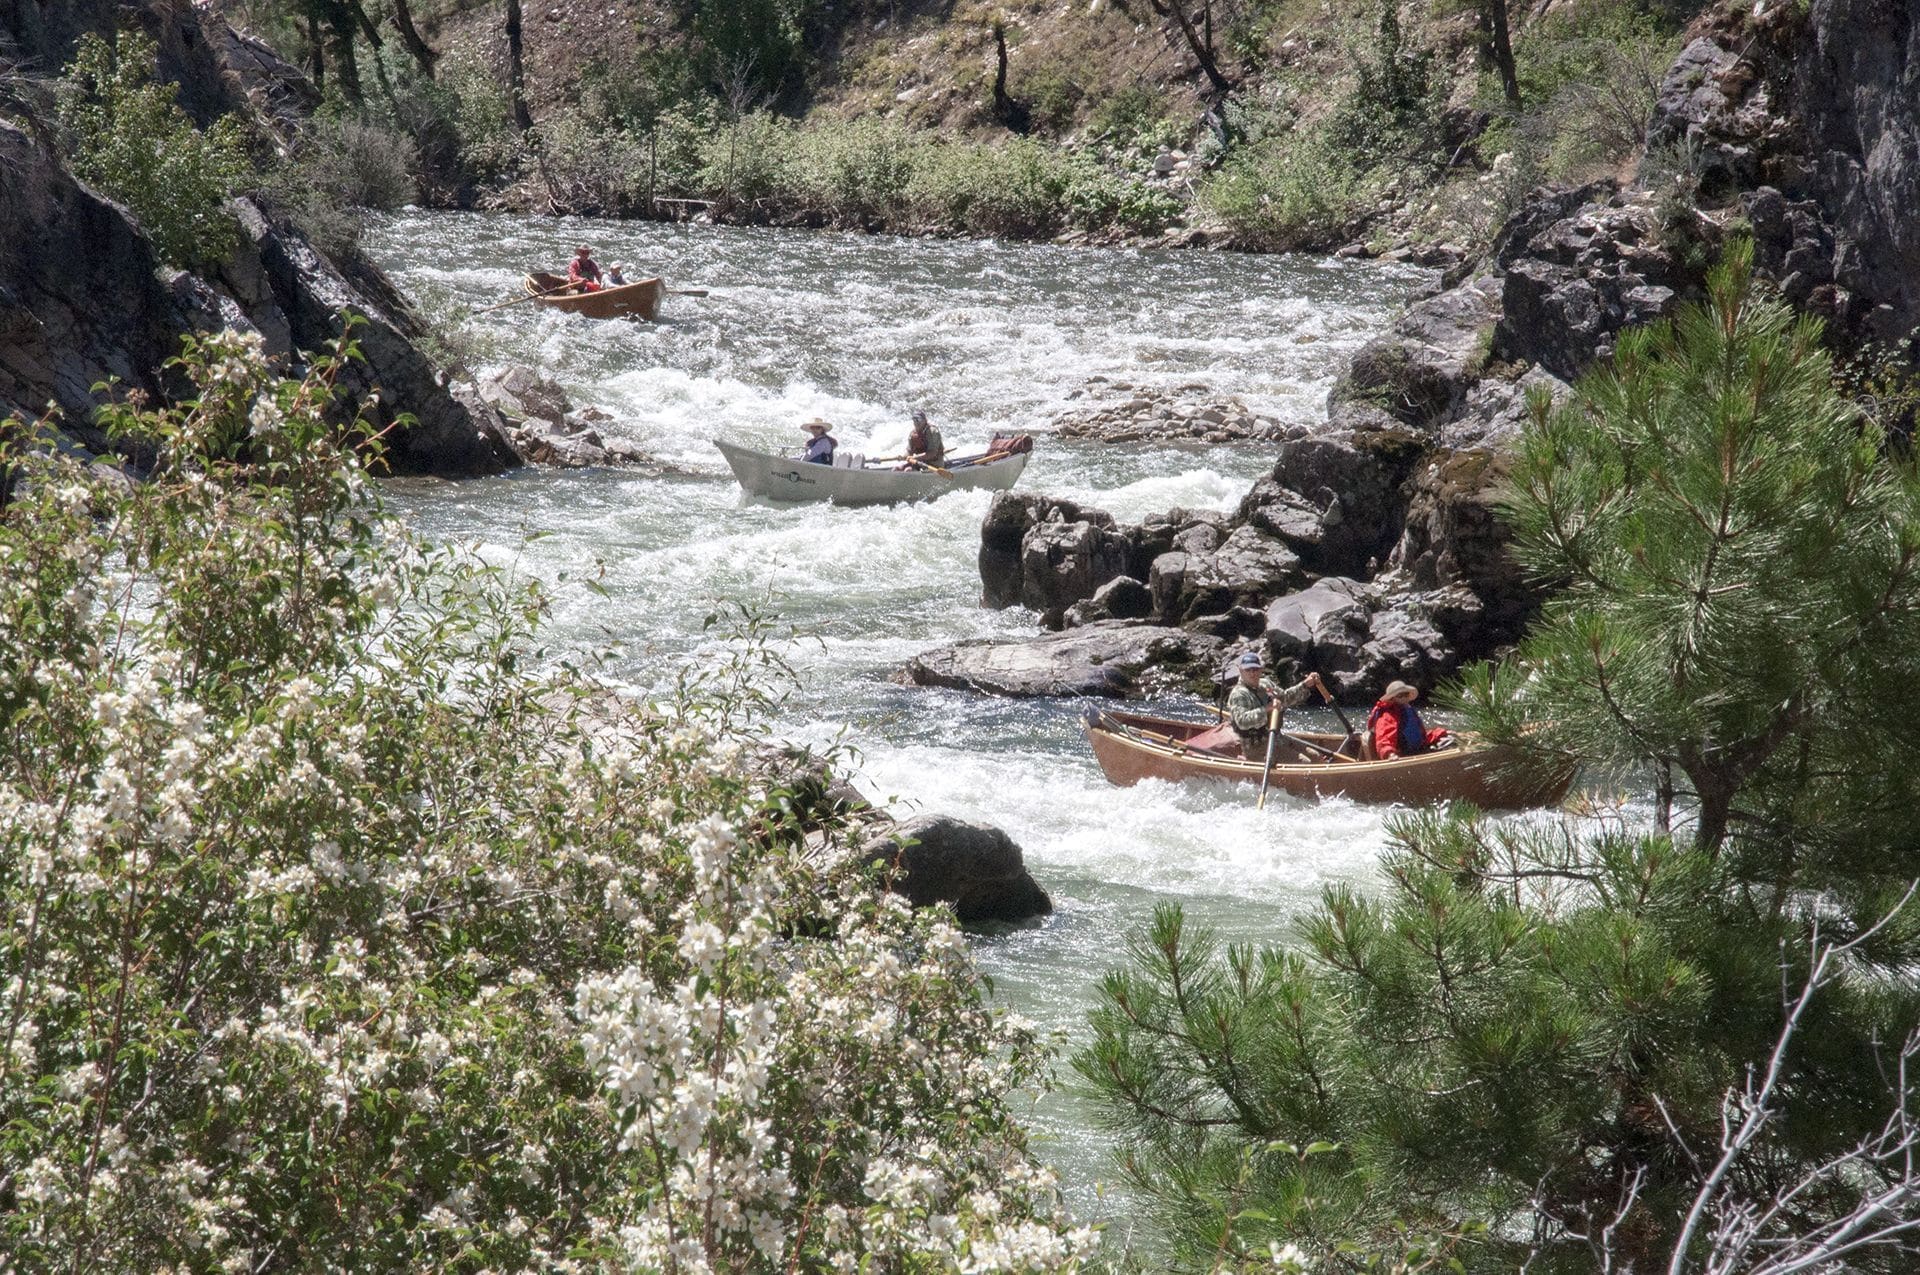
pixel 1244 570
pixel 1572 285
pixel 1113 658
pixel 1455 537
pixel 287 287
pixel 1123 412
pixel 1122 598
pixel 1421 369
pixel 1714 105
pixel 975 868
pixel 1334 498
pixel 1004 531
pixel 1062 563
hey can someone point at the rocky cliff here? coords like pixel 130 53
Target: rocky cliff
pixel 1374 549
pixel 83 298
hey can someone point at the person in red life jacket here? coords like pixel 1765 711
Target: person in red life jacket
pixel 1396 726
pixel 583 272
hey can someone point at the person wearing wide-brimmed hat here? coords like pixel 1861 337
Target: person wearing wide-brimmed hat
pixel 1396 727
pixel 1251 702
pixel 583 272
pixel 820 446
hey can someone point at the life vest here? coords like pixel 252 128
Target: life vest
pixel 1404 734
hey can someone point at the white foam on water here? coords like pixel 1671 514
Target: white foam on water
pixel 860 330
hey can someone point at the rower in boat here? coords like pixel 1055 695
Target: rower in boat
pixel 1253 699
pixel 583 272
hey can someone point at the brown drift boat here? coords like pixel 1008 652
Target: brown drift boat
pixel 1133 746
pixel 637 300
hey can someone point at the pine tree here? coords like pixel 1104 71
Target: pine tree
pixel 1527 1035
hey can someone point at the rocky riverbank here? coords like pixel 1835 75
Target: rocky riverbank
pixel 1374 549
pixel 85 300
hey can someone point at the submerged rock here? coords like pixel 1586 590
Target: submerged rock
pixel 975 868
pixel 545 429
pixel 1129 413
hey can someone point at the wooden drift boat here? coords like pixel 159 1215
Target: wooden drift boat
pixel 637 300
pixel 788 478
pixel 1133 746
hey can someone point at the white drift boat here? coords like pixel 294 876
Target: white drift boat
pixel 851 481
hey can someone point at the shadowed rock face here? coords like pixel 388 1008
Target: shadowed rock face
pixel 1857 98
pixel 80 302
pixel 1374 549
pixel 83 299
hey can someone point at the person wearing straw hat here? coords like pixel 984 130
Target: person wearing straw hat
pixel 1397 729
pixel 1253 698
pixel 820 446
pixel 617 275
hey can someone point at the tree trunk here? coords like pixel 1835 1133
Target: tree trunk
pixel 316 54
pixel 345 62
pixel 1202 49
pixel 1493 25
pixel 1008 111
pixel 410 36
pixel 516 69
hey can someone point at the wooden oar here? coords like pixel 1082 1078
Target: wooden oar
pixel 988 459
pixel 531 296
pixel 1322 749
pixel 1345 725
pixel 1266 772
pixel 686 292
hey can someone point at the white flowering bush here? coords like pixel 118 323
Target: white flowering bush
pixel 343 931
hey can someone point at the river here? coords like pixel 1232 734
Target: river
pixel 862 329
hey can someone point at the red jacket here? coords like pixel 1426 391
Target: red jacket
pixel 1399 732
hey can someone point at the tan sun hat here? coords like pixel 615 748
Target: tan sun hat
pixel 1396 689
pixel 816 423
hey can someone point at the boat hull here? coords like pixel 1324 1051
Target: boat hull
pixel 1127 754
pixel 637 300
pixel 785 478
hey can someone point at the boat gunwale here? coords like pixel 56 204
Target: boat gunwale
pixel 578 301
pixel 1236 765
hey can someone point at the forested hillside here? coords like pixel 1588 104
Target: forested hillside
pixel 1255 123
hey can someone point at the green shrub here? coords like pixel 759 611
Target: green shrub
pixel 1098 198
pixel 340 929
pixel 131 140
pixel 1134 116
pixel 1391 115
pixel 749 160
pixel 359 165
pixel 588 170
pixel 1289 191
pixel 1052 96
pixel 1014 188
pixel 491 148
pixel 854 173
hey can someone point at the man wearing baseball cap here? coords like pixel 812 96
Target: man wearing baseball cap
pixel 1253 698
